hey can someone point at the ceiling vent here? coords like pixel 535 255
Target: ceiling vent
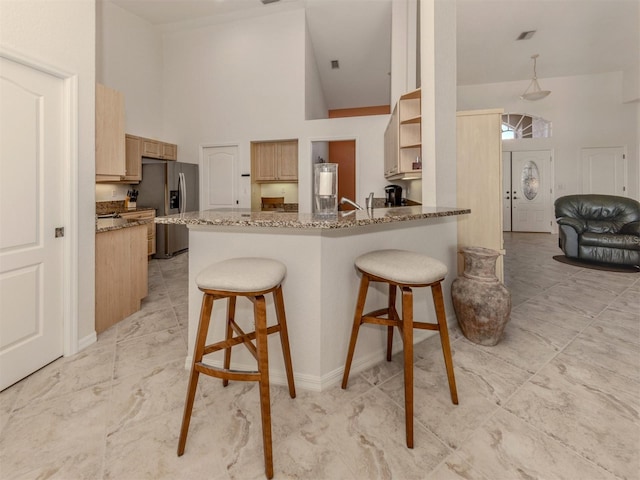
pixel 265 2
pixel 335 64
pixel 526 35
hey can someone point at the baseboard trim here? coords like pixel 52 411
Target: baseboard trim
pixel 90 339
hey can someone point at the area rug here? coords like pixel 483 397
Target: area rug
pixel 606 267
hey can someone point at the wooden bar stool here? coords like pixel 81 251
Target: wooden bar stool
pixel 406 270
pixel 252 278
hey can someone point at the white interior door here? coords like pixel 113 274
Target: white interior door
pixel 32 150
pixel 506 191
pixel 219 178
pixel 531 194
pixel 604 170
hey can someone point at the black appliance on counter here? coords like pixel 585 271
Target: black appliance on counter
pixel 170 188
pixel 394 195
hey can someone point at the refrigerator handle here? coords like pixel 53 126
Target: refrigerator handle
pixel 182 188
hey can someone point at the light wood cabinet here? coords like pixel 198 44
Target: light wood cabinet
pixel 479 182
pixel 160 150
pixel 151 227
pixel 133 173
pixel 274 161
pixel 121 274
pixel 403 139
pixel 109 135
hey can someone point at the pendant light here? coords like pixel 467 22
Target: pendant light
pixel 533 91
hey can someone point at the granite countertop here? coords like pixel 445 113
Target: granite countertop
pixel 108 224
pixel 235 217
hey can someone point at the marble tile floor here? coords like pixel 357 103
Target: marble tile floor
pixel 557 398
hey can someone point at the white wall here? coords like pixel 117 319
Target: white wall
pixel 586 111
pixel 62 34
pixel 129 59
pixel 244 81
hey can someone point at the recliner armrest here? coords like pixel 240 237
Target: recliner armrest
pixel 578 225
pixel 632 228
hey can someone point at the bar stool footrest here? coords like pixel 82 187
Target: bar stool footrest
pixel 226 374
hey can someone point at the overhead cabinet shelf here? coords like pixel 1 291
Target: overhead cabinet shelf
pixel 403 139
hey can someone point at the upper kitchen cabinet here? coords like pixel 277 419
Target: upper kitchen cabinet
pixel 133 159
pixel 159 150
pixel 274 161
pixel 110 137
pixel 403 139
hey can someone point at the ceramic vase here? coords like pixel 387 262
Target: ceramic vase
pixel 481 302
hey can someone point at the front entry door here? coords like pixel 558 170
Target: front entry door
pixel 506 191
pixel 32 153
pixel 531 194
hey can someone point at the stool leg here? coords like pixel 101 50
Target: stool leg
pixel 357 320
pixel 260 313
pixel 231 313
pixel 391 308
pixel 284 338
pixel 201 340
pixel 436 291
pixel 407 338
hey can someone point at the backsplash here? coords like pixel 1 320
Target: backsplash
pixel 102 208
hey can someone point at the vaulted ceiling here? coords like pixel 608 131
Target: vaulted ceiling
pixel 572 37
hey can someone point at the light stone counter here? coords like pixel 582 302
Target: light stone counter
pixel 109 224
pixel 233 217
pixel 321 285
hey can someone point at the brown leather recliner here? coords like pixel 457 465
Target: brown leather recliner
pixel 599 228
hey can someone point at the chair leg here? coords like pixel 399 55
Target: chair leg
pixel 390 306
pixel 436 291
pixel 284 339
pixel 260 313
pixel 231 313
pixel 407 334
pixel 201 340
pixel 357 320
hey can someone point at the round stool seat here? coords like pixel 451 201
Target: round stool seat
pixel 402 266
pixel 247 274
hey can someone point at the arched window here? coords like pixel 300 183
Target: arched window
pixel 521 125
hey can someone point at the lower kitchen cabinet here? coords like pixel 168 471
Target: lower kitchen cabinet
pixel 151 227
pixel 121 274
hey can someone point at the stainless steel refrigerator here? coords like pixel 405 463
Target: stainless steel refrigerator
pixel 170 188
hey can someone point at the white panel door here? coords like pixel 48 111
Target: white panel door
pixel 506 191
pixel 219 177
pixel 531 194
pixel 604 170
pixel 31 208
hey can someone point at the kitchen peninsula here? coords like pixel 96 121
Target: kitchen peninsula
pixel 321 285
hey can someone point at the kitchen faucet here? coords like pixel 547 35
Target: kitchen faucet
pixel 350 202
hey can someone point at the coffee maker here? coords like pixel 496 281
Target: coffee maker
pixel 394 195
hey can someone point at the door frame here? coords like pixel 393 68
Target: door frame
pixel 70 200
pixel 308 162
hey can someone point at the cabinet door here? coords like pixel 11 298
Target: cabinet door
pixel 391 145
pixel 287 153
pixel 151 148
pixel 169 151
pixel 265 161
pixel 133 159
pixel 110 142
